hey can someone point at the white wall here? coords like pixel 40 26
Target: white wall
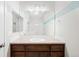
pixel 1 27
pixel 67 29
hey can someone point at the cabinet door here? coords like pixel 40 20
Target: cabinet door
pixel 37 48
pixel 37 54
pixel 57 47
pixel 44 54
pixel 17 47
pixel 57 54
pixel 32 54
pixel 18 54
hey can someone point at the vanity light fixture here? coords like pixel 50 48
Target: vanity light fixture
pixel 37 9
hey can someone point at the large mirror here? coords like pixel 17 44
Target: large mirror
pixel 34 18
pixel 39 16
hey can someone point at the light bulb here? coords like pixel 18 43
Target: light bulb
pixel 36 10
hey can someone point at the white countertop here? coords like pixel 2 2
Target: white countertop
pixel 26 40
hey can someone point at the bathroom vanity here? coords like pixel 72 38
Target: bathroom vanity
pixel 32 49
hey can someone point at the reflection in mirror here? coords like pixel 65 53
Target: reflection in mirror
pixel 38 14
pixel 17 22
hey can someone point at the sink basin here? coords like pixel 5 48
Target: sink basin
pixel 37 39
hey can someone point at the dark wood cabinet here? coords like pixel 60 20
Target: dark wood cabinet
pixel 37 50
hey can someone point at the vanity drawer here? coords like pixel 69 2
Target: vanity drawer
pixel 59 47
pixel 18 54
pixel 37 54
pixel 57 54
pixel 17 47
pixel 37 47
pixel 44 54
pixel 32 54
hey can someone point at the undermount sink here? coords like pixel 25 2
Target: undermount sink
pixel 37 39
